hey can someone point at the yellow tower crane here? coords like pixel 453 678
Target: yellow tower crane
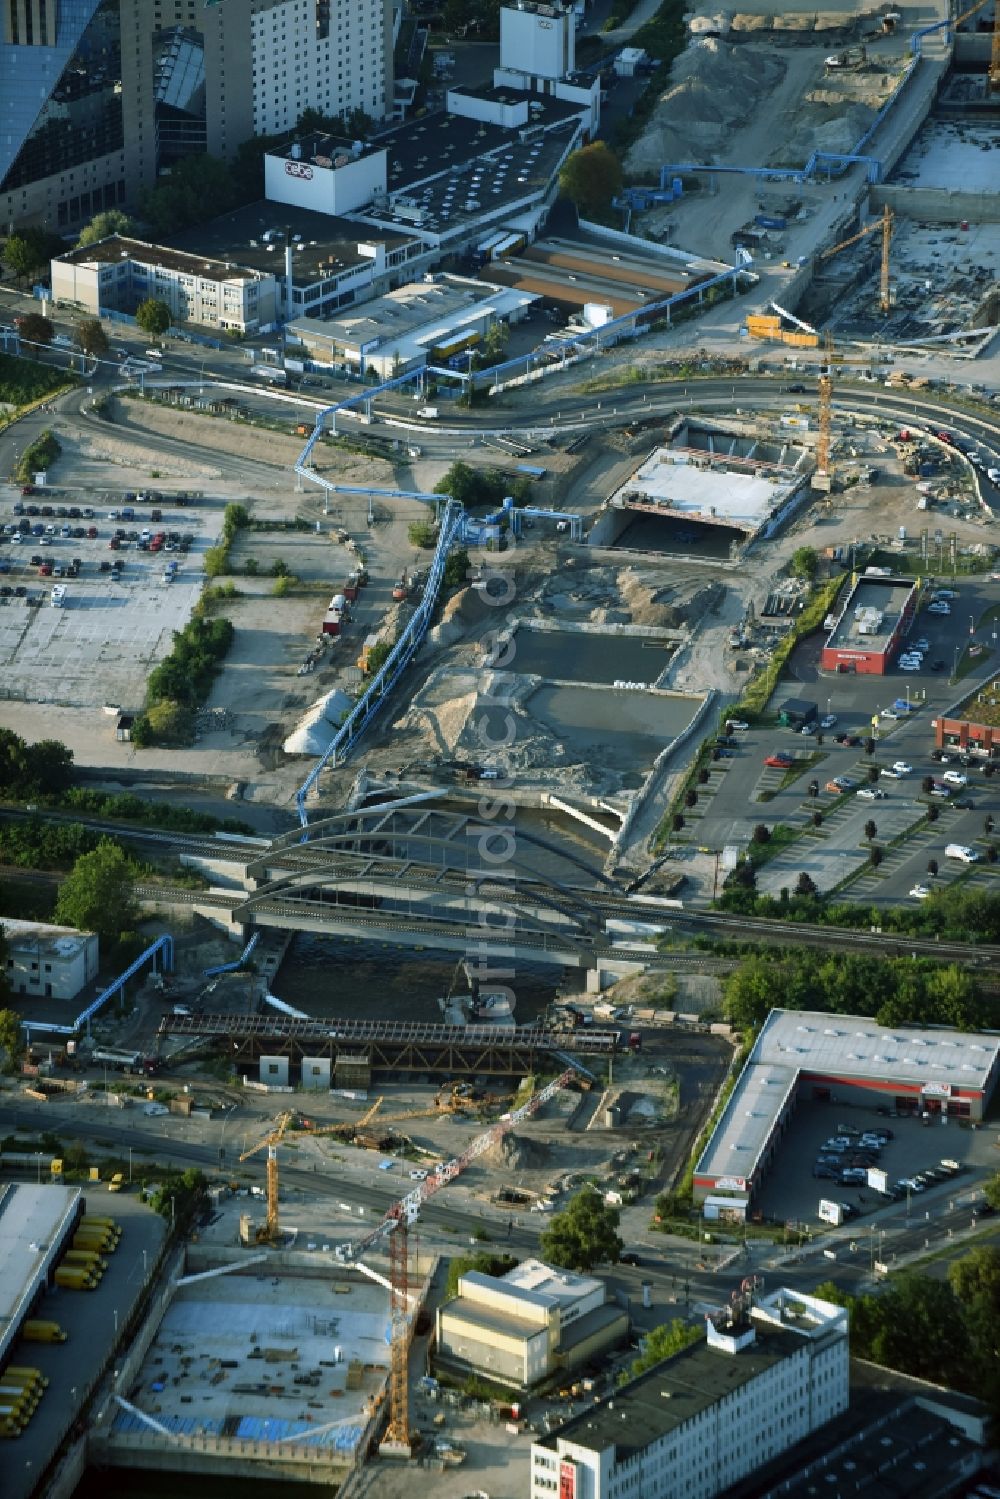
pixel 272 1141
pixel 884 223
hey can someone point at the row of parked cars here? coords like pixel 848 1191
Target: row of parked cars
pixel 847 1156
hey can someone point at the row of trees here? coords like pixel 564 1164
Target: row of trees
pixel 943 1330
pixel 953 913
pixel 894 991
pixel 26 770
pixel 182 681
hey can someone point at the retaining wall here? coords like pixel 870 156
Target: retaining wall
pixel 938 204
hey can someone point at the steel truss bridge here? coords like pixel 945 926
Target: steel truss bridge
pixel 410 862
pixel 395 1045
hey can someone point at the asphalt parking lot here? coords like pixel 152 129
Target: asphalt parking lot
pixel 792 1194
pixel 94 1321
pixel 114 622
pixel 736 804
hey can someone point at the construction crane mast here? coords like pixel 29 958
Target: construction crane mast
pixel 825 415
pixel 883 223
pixel 395 1225
pixel 272 1141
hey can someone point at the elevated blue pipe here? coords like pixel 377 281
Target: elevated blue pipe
pixel 164 945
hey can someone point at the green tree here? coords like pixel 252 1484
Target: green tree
pixel 197 189
pixel 216 561
pixel 870 830
pixel 30 249
pixel 153 317
pixel 11 1045
pixel 91 337
pixel 182 1198
pixel 484 1262
pixel 378 656
pixel 422 533
pixel 35 329
pixel 584 1234
pixel 805 884
pixel 96 895
pixel 282 587
pixel 590 178
pixel 804 563
pixel 103 225
pixel 991 1191
pixel 663 1342
pixel 456 569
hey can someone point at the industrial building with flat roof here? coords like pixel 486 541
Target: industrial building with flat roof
pixel 49 962
pixel 765 1376
pixel 973 724
pixel 876 617
pixel 575 274
pixel 933 1071
pixel 523 1327
pixel 119 272
pixel 444 178
pixel 418 324
pixel 334 260
pixel 35 1227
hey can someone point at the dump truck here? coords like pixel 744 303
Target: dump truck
pixel 35 1331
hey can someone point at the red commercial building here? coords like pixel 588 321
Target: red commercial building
pixel 973 724
pixel 874 623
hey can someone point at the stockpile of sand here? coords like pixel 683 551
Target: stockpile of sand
pixel 713 88
pixel 807 21
pixel 512 1153
pixel 440 713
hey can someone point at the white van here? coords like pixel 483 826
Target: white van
pixel 961 851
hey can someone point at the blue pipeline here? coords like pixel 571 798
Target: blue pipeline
pixel 164 945
pixel 399 658
pixel 211 973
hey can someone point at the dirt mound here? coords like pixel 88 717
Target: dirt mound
pixel 713 88
pixel 512 1153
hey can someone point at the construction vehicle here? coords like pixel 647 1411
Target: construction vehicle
pixel 850 60
pixel 35 1331
pixel 270 1231
pixel 884 223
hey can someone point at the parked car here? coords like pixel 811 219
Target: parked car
pixel 902 767
pixel 828 722
pixel 955 778
pixel 855 1176
pixel 920 892
pixel 938 607
pixel 831 1173
pixel 629 1257
pixel 871 794
pixel 779 761
pixel 733 725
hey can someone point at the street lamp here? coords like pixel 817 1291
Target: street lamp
pixel 222 1133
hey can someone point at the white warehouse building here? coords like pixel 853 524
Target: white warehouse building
pixel 764 1378
pixel 49 962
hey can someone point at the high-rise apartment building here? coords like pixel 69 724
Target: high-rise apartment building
pixel 100 97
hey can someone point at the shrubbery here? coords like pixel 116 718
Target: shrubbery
pixel 182 681
pixel 38 456
pixel 23 380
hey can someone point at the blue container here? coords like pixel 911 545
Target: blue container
pixel 678 187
